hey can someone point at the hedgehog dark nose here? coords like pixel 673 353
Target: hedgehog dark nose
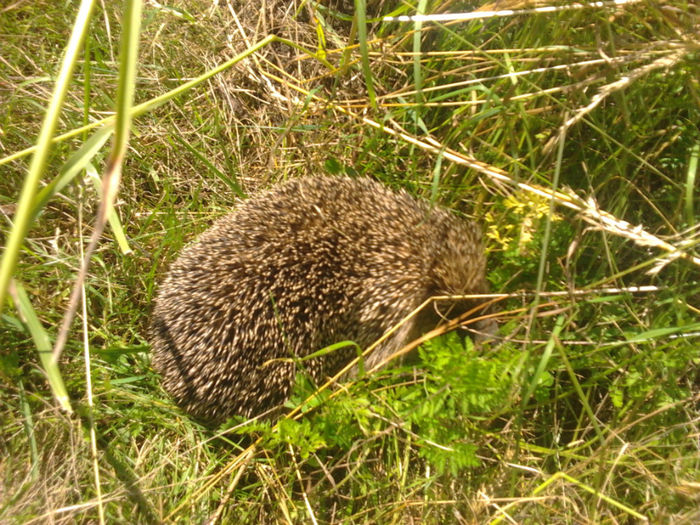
pixel 483 330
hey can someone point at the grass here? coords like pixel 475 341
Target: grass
pixel 571 136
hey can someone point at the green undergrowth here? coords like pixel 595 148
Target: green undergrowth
pixel 583 408
pixel 453 389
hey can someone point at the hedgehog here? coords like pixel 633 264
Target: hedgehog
pixel 309 263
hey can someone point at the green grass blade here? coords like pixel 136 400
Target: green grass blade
pixel 583 398
pixel 587 488
pixel 361 14
pixel 658 333
pixel 25 207
pixel 114 222
pixel 229 180
pixel 42 342
pixel 542 365
pixel 73 166
pixel 28 422
pixel 690 184
pixel 131 27
pixel 417 69
pixel 112 176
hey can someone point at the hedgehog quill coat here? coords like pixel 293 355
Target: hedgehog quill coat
pixel 309 263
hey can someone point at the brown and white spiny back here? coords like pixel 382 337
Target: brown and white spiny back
pixel 309 263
